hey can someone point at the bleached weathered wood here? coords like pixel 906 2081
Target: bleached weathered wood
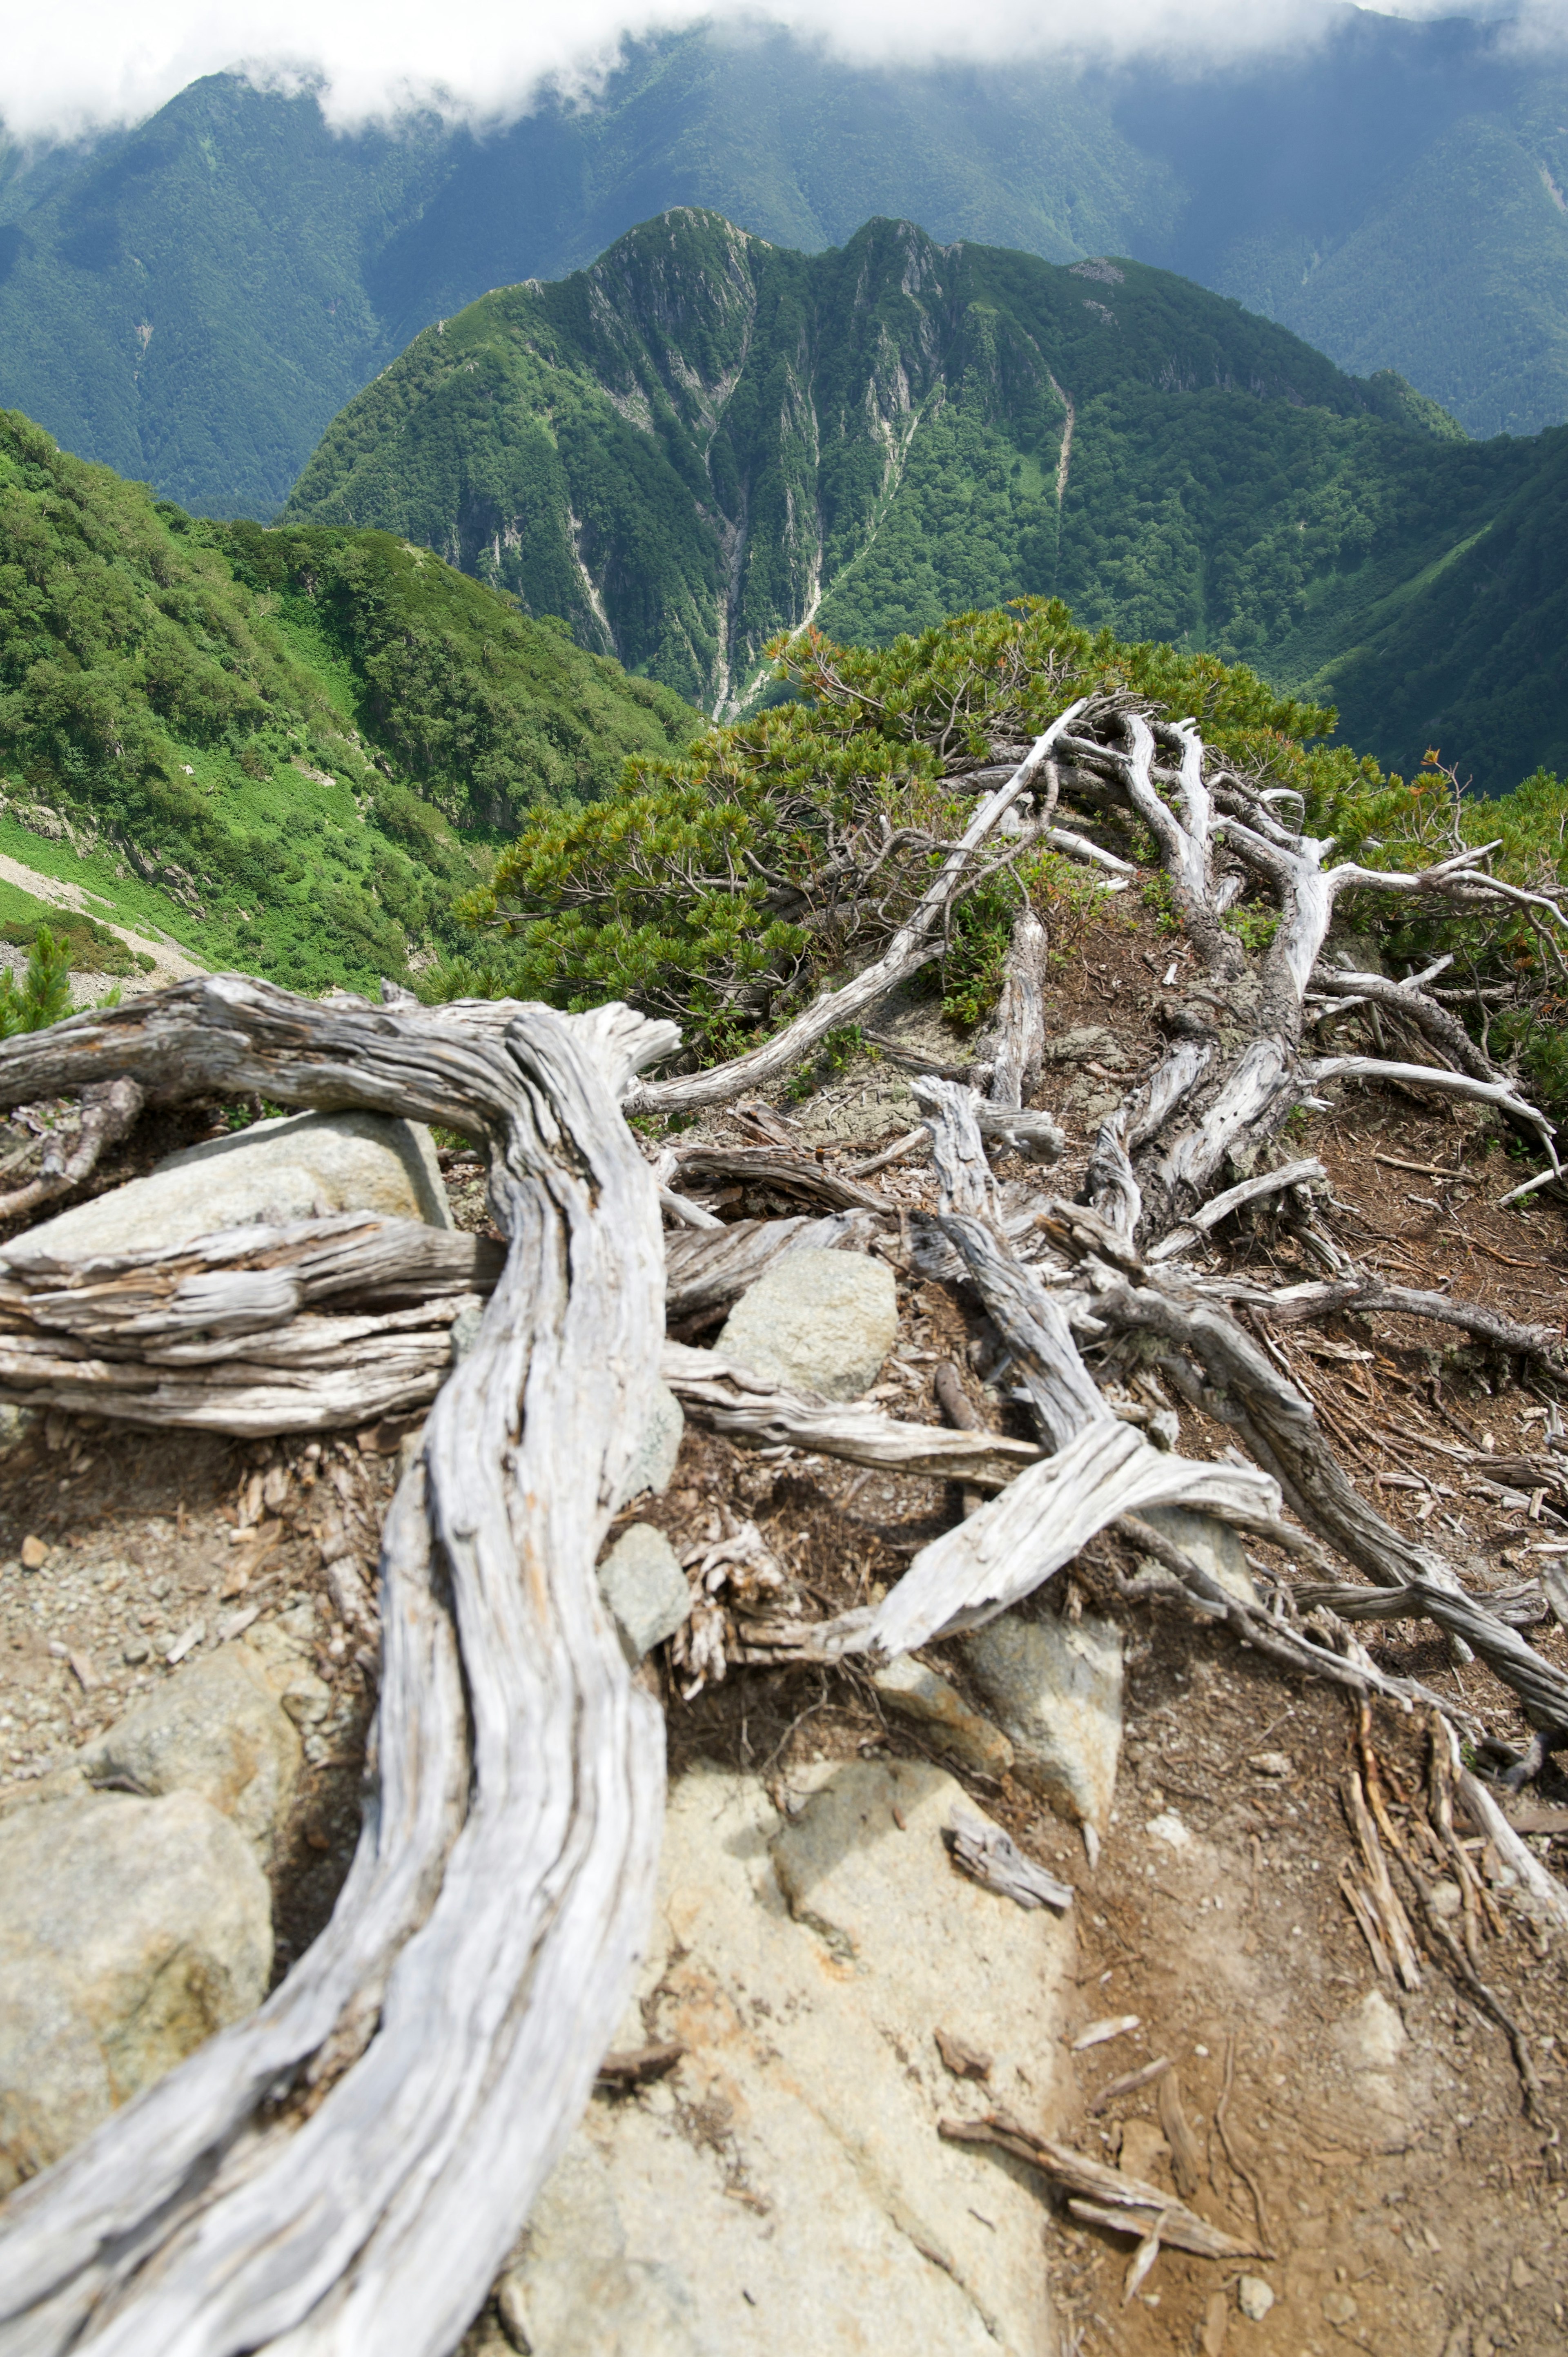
pixel 1019 1030
pixel 346 2170
pixel 913 945
pixel 1036 1525
pixel 1132 2205
pixel 108 1110
pixel 746 1407
pixel 702 1272
pixel 801 1173
pixel 1305 1173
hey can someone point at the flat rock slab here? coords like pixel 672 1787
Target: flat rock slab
pixel 131 1930
pixel 785 2188
pixel 819 1321
pixel 300 1167
pixel 1055 1689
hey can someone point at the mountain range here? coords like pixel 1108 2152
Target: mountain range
pixel 192 300
pixel 703 440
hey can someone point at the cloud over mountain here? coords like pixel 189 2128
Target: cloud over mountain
pixel 93 62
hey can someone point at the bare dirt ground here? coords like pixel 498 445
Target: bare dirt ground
pixel 1374 2139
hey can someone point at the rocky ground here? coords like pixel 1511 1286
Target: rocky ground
pixel 768 2174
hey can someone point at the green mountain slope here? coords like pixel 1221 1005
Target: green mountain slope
pixel 286 750
pixel 703 439
pixel 192 301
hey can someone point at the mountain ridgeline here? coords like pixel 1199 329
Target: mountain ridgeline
pixel 703 440
pixel 192 299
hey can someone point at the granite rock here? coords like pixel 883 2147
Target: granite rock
pixel 1054 1687
pixel 301 1168
pixel 1213 1544
pixel 785 2188
pixel 132 1929
pixel 217 1727
pixel 818 1321
pixel 906 1687
pixel 658 1449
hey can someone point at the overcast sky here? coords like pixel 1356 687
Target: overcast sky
pixel 75 63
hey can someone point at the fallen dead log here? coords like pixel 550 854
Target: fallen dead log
pixel 348 2168
pixel 252 1331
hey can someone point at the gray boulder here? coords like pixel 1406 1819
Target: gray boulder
pixel 218 1727
pixel 276 1171
pixel 132 1929
pixel 642 1581
pixel 1056 1688
pixel 818 1321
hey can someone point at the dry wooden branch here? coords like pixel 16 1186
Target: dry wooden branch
pixel 108 1110
pixel 992 1858
pixel 704 1269
pixel 752 1409
pixel 914 945
pixel 348 2168
pixel 802 1173
pixel 1126 2202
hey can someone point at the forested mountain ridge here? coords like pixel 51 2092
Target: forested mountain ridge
pixel 290 752
pixel 703 440
pixel 191 301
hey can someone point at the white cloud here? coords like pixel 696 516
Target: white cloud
pixel 81 63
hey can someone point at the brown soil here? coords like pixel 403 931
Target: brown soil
pixel 1407 2202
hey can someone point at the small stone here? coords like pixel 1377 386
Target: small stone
pixel 658 1447
pixel 1211 1543
pixel 907 1685
pixel 35 1553
pixel 642 1581
pixel 1272 1763
pixel 217 1729
pixel 136 1652
pixel 1255 2298
pixel 1056 1688
pixel 1447 1900
pixel 1167 1827
pixel 817 1321
pixel 1337 2306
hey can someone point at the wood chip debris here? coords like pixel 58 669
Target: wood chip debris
pixel 963 2060
pixel 636 2067
pixel 1099 2033
pixel 992 1858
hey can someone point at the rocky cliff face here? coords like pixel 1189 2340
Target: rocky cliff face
pixel 704 439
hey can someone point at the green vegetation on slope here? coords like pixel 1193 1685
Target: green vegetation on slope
pixel 298 745
pixel 724 886
pixel 703 439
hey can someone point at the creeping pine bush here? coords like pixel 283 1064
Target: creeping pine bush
pixel 725 884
